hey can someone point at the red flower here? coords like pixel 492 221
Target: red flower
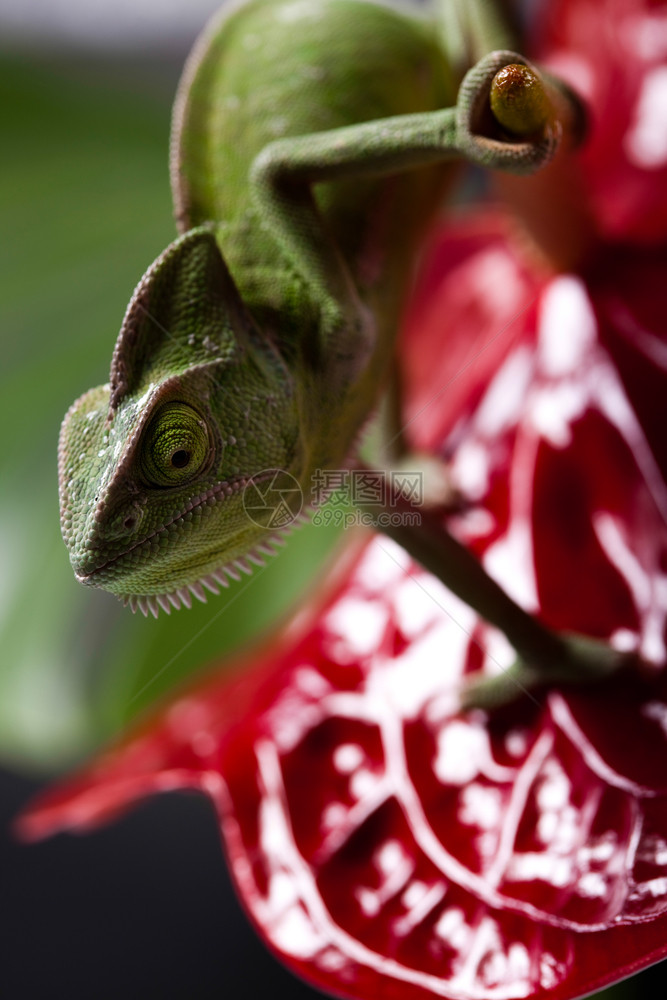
pixel 384 843
pixel 614 53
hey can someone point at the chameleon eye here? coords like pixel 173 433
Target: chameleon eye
pixel 175 446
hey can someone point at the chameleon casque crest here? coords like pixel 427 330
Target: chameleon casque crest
pixel 312 145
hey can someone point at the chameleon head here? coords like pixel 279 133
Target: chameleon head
pixel 152 466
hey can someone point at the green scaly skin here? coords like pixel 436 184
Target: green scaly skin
pixel 312 145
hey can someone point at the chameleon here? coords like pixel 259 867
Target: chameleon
pixel 313 142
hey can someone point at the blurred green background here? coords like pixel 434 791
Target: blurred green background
pixel 84 209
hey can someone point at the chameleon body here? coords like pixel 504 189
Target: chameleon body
pixel 308 147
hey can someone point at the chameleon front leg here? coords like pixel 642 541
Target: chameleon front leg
pixel 284 172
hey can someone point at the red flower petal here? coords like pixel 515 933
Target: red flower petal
pixel 544 441
pixel 386 846
pixel 614 52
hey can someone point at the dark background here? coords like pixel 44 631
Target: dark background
pixel 141 909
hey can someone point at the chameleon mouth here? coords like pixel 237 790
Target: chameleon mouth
pixel 213 581
pixel 229 488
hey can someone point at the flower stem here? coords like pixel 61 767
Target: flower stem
pixel 441 554
pixel 543 656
